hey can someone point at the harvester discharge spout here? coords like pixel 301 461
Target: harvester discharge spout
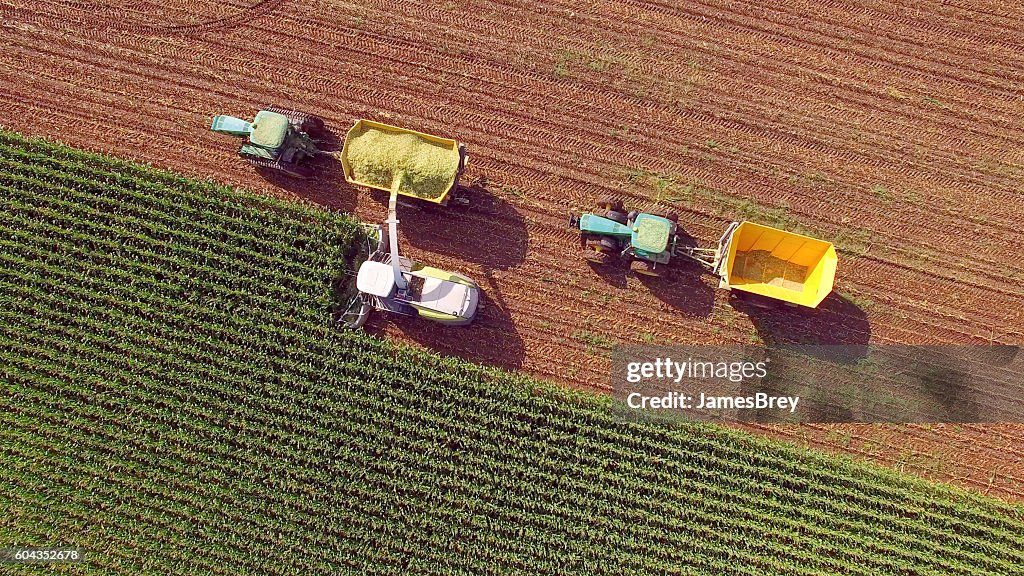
pixel 392 223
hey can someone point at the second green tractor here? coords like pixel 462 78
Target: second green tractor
pixel 648 241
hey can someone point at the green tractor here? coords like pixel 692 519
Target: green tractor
pixel 647 240
pixel 277 139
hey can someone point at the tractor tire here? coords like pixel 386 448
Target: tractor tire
pixel 312 125
pixel 644 268
pixel 599 249
pixel 631 217
pixel 610 244
pixel 671 216
pixel 610 203
pixel 614 216
pixel 596 256
pixel 291 169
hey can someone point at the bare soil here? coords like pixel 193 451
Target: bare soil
pixel 893 129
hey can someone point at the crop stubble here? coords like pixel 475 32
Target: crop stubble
pixel 897 131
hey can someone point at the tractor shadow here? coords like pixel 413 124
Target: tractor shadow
pixel 615 273
pixel 491 339
pixel 680 286
pixel 489 233
pixel 327 187
pixel 683 287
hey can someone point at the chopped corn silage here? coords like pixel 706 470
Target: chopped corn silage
pixel 425 169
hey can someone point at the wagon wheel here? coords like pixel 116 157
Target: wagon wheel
pixel 755 300
pixel 610 203
pixel 644 267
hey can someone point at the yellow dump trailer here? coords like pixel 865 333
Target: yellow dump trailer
pixel 411 163
pixel 778 264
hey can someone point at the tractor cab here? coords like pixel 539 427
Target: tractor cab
pixel 269 130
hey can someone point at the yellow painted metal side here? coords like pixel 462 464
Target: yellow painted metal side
pixel 362 125
pixel 779 264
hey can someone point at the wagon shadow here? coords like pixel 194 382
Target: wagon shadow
pixel 491 339
pixel 816 353
pixel 490 232
pixel 837 327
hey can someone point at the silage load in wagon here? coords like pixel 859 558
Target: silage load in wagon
pixel 383 159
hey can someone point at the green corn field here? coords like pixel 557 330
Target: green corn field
pixel 176 400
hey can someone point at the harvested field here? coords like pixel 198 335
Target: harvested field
pixel 891 129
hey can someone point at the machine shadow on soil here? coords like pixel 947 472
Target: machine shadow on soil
pixel 328 188
pixel 837 322
pixel 492 338
pixel 681 286
pixel 489 233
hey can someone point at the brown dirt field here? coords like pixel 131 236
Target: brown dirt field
pixel 893 129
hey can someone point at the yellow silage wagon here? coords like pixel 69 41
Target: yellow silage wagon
pixel 775 263
pixel 403 161
pixel 784 266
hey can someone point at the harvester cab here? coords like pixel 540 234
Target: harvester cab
pixel 389 282
pixel 276 139
pixel 647 240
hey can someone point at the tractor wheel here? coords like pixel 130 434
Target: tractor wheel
pixel 599 249
pixel 614 216
pixel 610 244
pixel 596 256
pixel 669 215
pixel 631 217
pixel 610 203
pixel 644 267
pixel 312 125
pixel 291 169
